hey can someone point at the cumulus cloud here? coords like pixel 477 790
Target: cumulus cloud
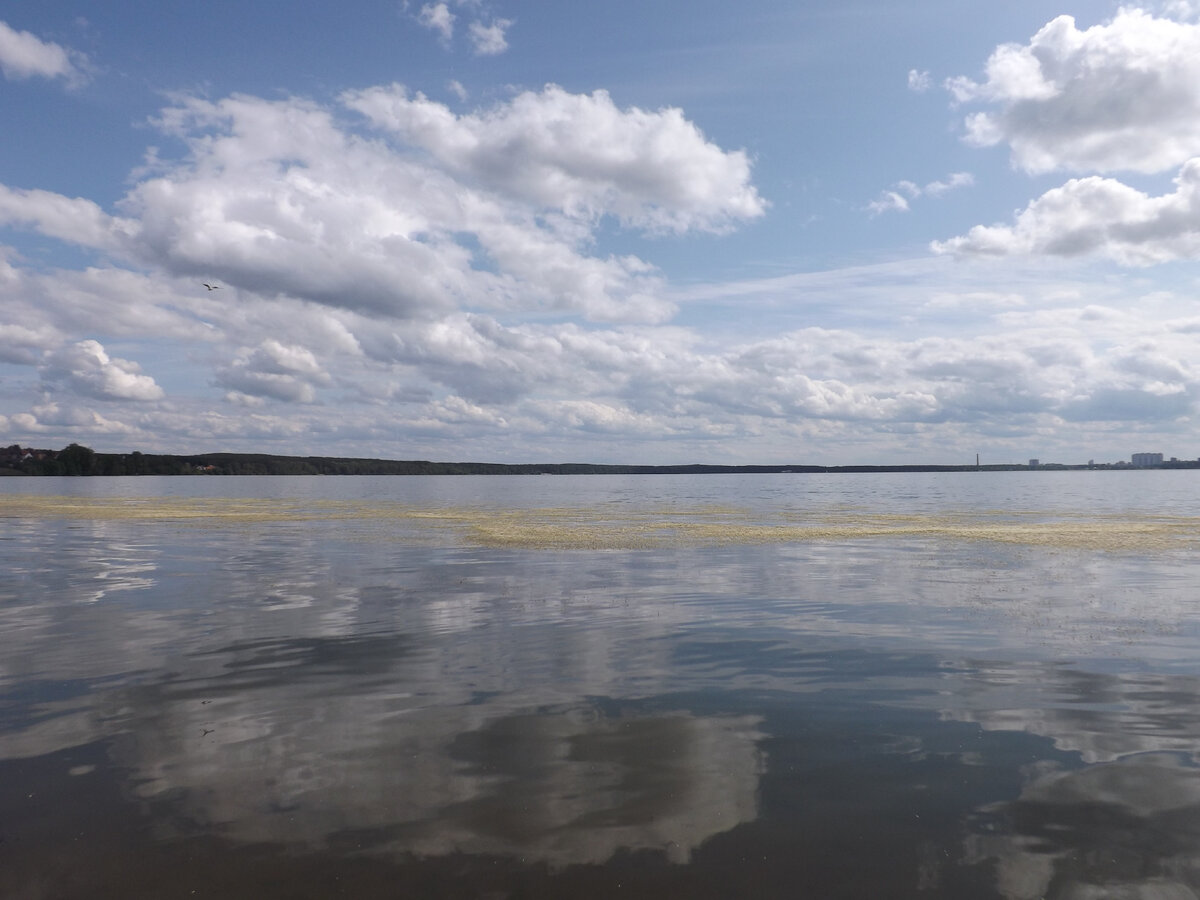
pixel 1122 95
pixel 437 17
pixel 24 55
pixel 276 371
pixel 489 39
pixel 581 154
pixel 284 198
pixel 86 369
pixel 1098 216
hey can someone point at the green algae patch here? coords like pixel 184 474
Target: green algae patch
pixel 625 527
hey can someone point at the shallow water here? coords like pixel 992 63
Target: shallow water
pixel 926 685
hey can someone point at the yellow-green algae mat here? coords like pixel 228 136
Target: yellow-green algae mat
pixel 630 527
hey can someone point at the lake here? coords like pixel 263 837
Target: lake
pixel 958 685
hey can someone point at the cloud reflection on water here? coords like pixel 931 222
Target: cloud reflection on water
pixel 1129 828
pixel 280 683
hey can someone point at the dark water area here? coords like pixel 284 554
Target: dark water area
pixel 305 688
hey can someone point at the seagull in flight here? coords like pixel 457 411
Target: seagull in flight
pixel 211 287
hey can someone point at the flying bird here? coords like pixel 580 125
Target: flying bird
pixel 211 287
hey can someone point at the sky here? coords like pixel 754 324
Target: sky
pixel 670 232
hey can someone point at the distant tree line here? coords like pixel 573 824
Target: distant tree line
pixel 76 459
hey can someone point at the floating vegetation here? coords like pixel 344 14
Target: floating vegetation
pixel 528 529
pixel 625 527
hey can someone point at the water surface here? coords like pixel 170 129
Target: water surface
pixel 884 685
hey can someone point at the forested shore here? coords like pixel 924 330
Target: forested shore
pixel 79 460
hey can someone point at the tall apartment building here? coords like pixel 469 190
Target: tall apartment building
pixel 1145 460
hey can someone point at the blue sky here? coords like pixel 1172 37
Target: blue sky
pixel 655 232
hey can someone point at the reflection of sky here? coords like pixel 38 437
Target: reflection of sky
pixel 290 689
pixel 1129 828
pixel 1102 716
pixel 279 683
pixel 562 784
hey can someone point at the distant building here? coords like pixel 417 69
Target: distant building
pixel 1034 463
pixel 1146 460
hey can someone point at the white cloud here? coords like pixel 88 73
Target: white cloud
pixel 1181 9
pixel 249 401
pixel 391 276
pixel 919 81
pixel 897 200
pixel 486 32
pixel 76 220
pixel 490 39
pixel 68 418
pixel 437 17
pixel 1097 216
pixel 976 300
pixel 1047 370
pixel 581 154
pixel 953 181
pixel 889 201
pixel 272 356
pixel 24 345
pixel 110 301
pixel 283 199
pixel 1123 95
pixel 463 382
pixel 248 388
pixel 276 371
pixel 86 369
pixel 593 416
pixel 24 55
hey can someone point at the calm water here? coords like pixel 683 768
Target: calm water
pixel 922 685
